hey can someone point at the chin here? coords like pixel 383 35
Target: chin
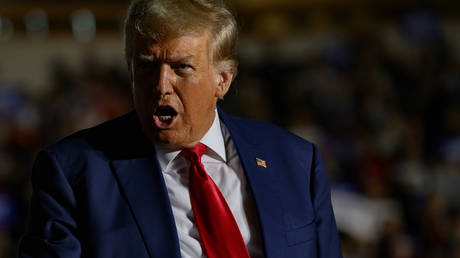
pixel 166 138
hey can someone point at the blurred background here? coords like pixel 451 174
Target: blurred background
pixel 375 84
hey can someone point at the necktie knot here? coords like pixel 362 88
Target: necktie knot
pixel 194 153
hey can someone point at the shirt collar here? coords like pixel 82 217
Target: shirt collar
pixel 213 139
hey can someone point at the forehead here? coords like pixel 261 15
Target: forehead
pixel 187 45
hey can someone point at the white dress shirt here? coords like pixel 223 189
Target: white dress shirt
pixel 223 165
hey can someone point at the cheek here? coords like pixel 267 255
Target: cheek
pixel 139 82
pixel 137 93
pixel 142 100
pixel 197 102
pixel 142 87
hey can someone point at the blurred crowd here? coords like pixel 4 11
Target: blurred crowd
pixel 77 99
pixel 383 107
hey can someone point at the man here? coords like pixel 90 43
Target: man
pixel 178 177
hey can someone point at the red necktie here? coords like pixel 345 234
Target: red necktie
pixel 219 233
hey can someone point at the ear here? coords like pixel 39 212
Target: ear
pixel 224 79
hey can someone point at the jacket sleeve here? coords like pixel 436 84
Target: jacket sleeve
pixel 327 235
pixel 52 227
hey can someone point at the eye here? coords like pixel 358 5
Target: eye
pixel 143 64
pixel 181 67
pixel 146 64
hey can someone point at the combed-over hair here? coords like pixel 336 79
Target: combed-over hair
pixel 166 19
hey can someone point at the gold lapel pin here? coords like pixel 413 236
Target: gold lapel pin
pixel 261 162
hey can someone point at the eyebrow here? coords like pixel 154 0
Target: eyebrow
pixel 173 59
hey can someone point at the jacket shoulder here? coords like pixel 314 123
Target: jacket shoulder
pixel 263 132
pixel 93 138
pixel 114 139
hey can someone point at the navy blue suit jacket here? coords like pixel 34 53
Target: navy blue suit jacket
pixel 100 193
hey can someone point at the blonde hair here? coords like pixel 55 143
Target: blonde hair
pixel 166 19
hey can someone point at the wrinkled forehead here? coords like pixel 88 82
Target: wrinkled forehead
pixel 192 44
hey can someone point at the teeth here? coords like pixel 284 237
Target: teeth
pixel 164 118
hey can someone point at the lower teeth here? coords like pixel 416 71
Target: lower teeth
pixel 165 118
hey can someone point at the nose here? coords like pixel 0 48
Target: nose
pixel 165 79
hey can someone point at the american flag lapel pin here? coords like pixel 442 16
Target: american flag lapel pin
pixel 261 163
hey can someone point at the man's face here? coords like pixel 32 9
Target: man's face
pixel 176 87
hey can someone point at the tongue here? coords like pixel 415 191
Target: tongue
pixel 161 123
pixel 164 116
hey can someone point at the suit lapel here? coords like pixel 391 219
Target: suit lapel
pixel 144 189
pixel 264 187
pixel 142 185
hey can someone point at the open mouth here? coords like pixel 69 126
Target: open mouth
pixel 164 116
